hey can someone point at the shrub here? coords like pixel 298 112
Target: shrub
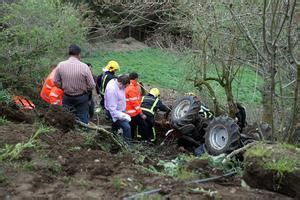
pixel 34 34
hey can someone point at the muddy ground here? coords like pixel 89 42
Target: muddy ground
pixel 66 163
pixel 66 166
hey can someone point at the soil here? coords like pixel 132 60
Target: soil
pixel 14 113
pixel 70 164
pixel 119 45
pixel 63 166
pixel 259 176
pixel 56 116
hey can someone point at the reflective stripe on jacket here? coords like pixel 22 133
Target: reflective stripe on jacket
pixel 151 104
pixel 56 96
pixel 103 80
pixel 24 102
pixel 50 93
pixel 133 99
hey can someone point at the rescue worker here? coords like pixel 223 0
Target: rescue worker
pixel 91 100
pixel 75 79
pixel 205 112
pixel 115 104
pixel 240 116
pixel 107 75
pixel 133 103
pixel 50 93
pixel 150 104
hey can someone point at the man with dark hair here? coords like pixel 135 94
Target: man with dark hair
pixel 115 103
pixel 76 80
pixel 133 103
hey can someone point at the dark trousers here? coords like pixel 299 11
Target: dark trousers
pixel 79 105
pixel 134 123
pixel 124 125
pixel 102 101
pixel 91 108
pixel 107 114
pixel 146 128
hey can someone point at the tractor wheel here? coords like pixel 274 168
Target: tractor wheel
pixel 222 135
pixel 185 112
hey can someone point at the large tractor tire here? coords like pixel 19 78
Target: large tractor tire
pixel 222 136
pixel 185 114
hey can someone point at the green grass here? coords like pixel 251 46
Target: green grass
pixel 281 158
pixel 283 165
pixel 244 86
pixel 258 151
pixel 164 69
pixel 3 121
pixel 154 66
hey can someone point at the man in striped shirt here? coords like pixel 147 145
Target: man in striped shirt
pixel 76 80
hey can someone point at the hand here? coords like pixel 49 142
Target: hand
pixel 126 117
pixel 143 116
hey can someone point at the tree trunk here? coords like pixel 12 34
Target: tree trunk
pixel 272 92
pixel 266 102
pixel 230 100
pixel 294 130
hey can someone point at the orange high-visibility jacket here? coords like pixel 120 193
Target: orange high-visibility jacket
pixel 24 102
pixel 50 93
pixel 133 99
pixel 56 96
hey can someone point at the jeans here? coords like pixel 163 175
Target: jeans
pixel 79 105
pixel 124 125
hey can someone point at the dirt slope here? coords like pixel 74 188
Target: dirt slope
pixel 69 166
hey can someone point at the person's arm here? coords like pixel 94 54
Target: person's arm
pixel 161 106
pixel 98 84
pixel 57 78
pixel 89 79
pixel 111 101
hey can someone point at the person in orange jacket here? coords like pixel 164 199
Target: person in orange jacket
pixel 133 103
pixel 50 93
pixel 56 96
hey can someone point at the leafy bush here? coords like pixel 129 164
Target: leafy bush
pixel 34 34
pixel 5 96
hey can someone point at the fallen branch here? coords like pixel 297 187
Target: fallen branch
pixel 106 133
pixel 154 191
pixel 231 173
pixel 237 151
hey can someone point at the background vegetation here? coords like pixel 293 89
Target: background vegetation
pixel 35 35
pixel 228 51
pixel 163 68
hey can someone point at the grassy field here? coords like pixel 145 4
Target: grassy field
pixel 169 70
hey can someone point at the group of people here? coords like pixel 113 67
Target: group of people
pixel 71 82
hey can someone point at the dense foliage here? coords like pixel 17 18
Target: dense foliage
pixel 34 35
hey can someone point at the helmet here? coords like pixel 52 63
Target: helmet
pixel 155 92
pixel 112 66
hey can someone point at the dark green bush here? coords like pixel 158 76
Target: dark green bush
pixel 35 34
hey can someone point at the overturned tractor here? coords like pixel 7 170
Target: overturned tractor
pixel 219 135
